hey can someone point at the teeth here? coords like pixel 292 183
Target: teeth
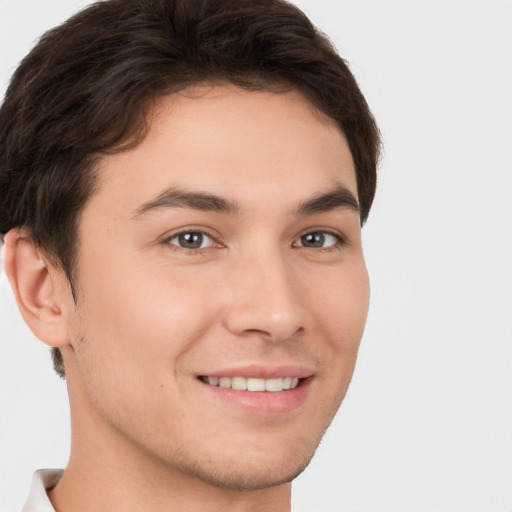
pixel 255 384
pixel 250 384
pixel 274 385
pixel 239 383
pixel 214 381
pixel 224 382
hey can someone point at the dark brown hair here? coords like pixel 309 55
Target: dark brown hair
pixel 85 90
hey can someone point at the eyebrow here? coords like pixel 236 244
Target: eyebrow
pixel 176 198
pixel 339 197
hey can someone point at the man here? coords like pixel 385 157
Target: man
pixel 183 185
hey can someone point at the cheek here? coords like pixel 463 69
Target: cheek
pixel 340 314
pixel 132 340
pixel 341 311
pixel 146 319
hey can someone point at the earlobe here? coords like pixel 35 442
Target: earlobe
pixel 35 288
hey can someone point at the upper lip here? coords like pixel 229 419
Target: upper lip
pixel 256 371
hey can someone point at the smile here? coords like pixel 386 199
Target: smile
pixel 252 384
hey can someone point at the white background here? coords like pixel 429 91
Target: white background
pixel 427 423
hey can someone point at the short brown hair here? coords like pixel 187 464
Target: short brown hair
pixel 86 87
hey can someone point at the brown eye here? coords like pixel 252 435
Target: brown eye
pixel 192 240
pixel 317 240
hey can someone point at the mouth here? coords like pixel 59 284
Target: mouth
pixel 252 384
pixel 264 391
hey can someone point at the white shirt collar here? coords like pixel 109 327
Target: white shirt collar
pixel 43 480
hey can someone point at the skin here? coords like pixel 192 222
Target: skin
pixel 152 315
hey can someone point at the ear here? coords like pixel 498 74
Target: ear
pixel 38 287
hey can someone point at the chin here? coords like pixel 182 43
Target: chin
pixel 245 477
pixel 247 472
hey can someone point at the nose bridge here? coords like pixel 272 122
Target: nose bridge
pixel 264 295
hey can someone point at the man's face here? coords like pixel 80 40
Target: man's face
pixel 207 257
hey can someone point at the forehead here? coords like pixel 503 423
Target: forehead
pixel 230 141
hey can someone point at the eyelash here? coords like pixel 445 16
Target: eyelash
pixel 185 250
pixel 341 240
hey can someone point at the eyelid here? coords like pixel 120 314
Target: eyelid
pixel 341 238
pixel 217 239
pixel 191 229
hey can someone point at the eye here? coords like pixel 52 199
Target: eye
pixel 191 240
pixel 318 240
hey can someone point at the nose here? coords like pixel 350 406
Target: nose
pixel 264 298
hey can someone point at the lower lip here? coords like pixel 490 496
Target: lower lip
pixel 264 403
